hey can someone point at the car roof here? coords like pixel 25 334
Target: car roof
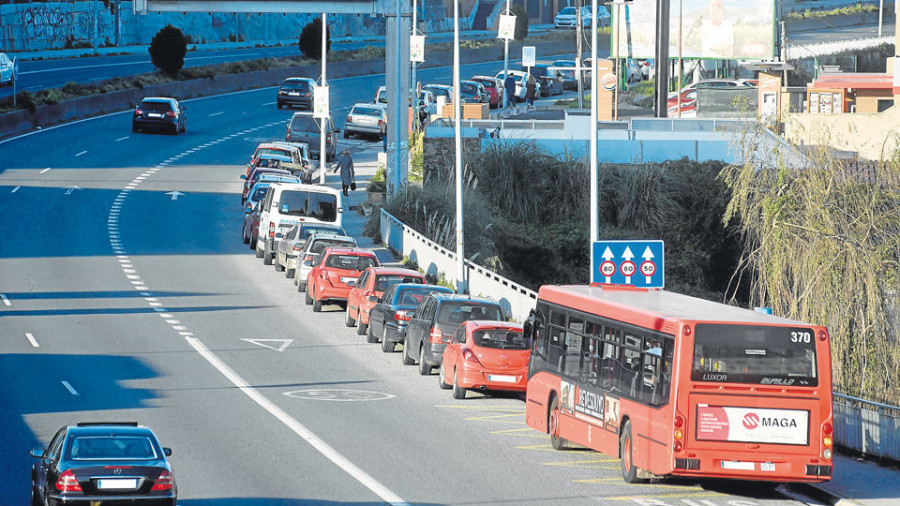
pixel 98 428
pixel 340 250
pixel 439 86
pixel 477 324
pixel 300 79
pixel 276 145
pixel 303 186
pixel 368 105
pixel 158 99
pixel 457 297
pixel 394 270
pixel 346 238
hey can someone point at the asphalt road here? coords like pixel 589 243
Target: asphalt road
pixel 121 302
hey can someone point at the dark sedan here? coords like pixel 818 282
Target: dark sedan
pixel 103 463
pixel 388 318
pixel 159 113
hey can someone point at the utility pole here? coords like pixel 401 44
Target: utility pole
pixel 578 52
pixel 662 58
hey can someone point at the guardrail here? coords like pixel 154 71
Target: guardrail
pixel 434 260
pixel 867 427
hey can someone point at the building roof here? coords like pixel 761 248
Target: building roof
pixel 857 80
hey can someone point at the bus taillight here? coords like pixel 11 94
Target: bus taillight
pixel 823 335
pixel 679 434
pixel 687 330
pixel 827 440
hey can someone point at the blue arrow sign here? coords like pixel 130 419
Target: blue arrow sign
pixel 631 263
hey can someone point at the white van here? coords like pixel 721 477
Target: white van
pixel 288 203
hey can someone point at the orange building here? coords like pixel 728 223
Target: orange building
pixel 842 92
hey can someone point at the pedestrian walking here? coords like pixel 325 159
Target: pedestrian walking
pixel 509 84
pixel 530 88
pixel 348 176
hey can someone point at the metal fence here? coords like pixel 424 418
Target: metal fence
pixel 867 427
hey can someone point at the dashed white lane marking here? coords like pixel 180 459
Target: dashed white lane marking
pixel 81 153
pixel 127 267
pixel 45 170
pixel 69 388
pixel 120 139
pixel 32 340
pixel 5 300
pixel 216 113
pixel 14 190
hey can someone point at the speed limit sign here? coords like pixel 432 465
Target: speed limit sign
pixel 627 268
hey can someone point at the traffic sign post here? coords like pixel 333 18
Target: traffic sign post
pixel 629 263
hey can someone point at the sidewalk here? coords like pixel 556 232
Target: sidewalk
pixel 857 481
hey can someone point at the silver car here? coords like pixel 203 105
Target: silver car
pixel 310 250
pixel 366 119
pixel 288 248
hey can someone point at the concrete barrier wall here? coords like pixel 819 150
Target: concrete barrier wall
pixel 515 299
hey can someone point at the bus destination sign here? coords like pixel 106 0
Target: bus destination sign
pixel 628 263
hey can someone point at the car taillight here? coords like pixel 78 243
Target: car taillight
pixel 403 316
pixel 138 112
pixel 170 114
pixel 309 258
pixel 297 247
pixel 380 123
pixel 282 92
pixel 349 119
pixel 469 355
pixel 271 229
pixel 323 275
pixel 67 482
pixel 164 482
pixel 435 335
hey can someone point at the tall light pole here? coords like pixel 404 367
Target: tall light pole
pixel 322 153
pixel 506 58
pixel 595 191
pixel 415 84
pixel 461 285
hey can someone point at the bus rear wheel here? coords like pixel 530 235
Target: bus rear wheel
pixel 626 455
pixel 556 441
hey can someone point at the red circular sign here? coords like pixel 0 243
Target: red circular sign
pixel 627 268
pixel 648 268
pixel 751 421
pixel 607 268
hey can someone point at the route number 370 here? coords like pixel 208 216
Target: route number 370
pixel 801 337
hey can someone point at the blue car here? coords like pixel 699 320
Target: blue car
pixel 389 317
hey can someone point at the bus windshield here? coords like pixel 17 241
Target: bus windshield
pixel 761 355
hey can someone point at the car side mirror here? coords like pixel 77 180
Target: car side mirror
pixel 445 339
pixel 167 451
pixel 243 176
pixel 248 208
pixel 37 453
pixel 351 283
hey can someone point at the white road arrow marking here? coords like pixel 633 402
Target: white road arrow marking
pixel 72 189
pixel 5 300
pixel 284 343
pixel 175 194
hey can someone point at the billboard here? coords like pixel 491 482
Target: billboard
pixel 712 29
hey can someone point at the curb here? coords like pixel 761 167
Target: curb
pixel 812 493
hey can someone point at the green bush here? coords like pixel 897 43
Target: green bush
pixel 310 43
pixel 521 32
pixel 167 50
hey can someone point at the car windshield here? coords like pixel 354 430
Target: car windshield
pixel 367 111
pixel 322 206
pixel 503 339
pixel 111 448
pixel 568 11
pixel 413 295
pixel 259 192
pixel 273 152
pixel 350 262
pixel 156 106
pixel 320 244
pixel 468 88
pixel 487 83
pixel 304 124
pixel 310 229
pixel 457 312
pixel 295 85
pixel 384 281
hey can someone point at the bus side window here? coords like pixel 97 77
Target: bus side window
pixel 650 370
pixel 556 349
pixel 665 377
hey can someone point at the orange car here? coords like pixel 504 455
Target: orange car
pixel 485 355
pixel 369 290
pixel 335 273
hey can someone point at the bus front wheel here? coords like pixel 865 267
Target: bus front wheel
pixel 626 455
pixel 556 441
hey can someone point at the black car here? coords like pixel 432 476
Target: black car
pixel 296 91
pixel 159 113
pixel 103 463
pixel 388 318
pixel 303 127
pixel 436 316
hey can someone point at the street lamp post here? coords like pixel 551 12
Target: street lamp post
pixel 323 155
pixel 457 137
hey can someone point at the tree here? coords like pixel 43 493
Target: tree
pixel 167 50
pixel 521 21
pixel 311 39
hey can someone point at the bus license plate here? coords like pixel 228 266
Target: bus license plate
pixel 502 378
pixel 767 466
pixel 740 466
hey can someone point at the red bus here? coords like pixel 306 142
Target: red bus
pixel 679 386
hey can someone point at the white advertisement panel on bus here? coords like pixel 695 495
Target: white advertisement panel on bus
pixel 752 425
pixel 715 29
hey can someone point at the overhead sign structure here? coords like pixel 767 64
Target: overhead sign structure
pixel 712 29
pixel 507 29
pixel 529 56
pixel 630 263
pixel 320 102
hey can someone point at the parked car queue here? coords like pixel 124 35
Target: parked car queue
pixel 389 305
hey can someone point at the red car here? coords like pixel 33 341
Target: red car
pixel 688 104
pixel 485 355
pixel 368 291
pixel 335 273
pixel 494 88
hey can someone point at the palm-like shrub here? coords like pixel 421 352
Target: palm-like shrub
pixel 167 50
pixel 310 43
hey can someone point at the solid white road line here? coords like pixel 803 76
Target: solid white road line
pixel 69 388
pixel 321 446
pixel 32 340
pixel 5 300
